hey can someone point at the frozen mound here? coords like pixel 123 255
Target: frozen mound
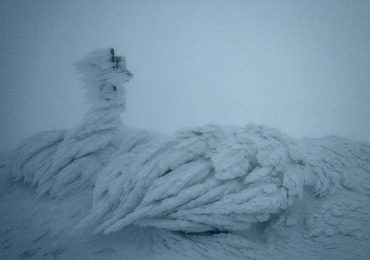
pixel 213 179
pixel 60 162
pixel 33 158
pixel 329 221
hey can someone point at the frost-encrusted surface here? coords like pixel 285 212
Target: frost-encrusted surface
pixel 61 162
pixel 291 199
pixel 99 70
pixel 224 178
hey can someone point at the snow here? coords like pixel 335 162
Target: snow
pixel 104 190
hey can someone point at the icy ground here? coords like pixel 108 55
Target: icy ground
pixel 327 227
pixel 38 228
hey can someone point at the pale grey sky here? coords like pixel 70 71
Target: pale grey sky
pixel 300 66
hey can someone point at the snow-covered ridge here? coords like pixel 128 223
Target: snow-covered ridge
pixel 217 178
pixel 252 179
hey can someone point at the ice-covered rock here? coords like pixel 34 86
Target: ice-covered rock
pixel 58 162
pixel 225 179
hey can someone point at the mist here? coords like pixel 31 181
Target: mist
pixel 300 66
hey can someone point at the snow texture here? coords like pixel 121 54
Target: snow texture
pixel 59 162
pixel 213 179
pixel 212 192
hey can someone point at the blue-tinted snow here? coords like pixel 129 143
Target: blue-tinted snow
pixel 107 191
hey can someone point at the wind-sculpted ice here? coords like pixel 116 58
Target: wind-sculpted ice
pixel 59 162
pixel 227 178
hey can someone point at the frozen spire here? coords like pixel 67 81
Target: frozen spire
pixel 104 74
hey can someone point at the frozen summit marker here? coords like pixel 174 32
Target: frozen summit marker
pixel 59 162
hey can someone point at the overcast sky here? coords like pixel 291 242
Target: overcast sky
pixel 300 66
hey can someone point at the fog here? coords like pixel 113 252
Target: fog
pixel 300 66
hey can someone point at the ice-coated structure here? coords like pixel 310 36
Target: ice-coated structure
pixel 58 162
pixel 212 192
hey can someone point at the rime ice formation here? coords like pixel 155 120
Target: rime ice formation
pixel 228 179
pixel 212 192
pixel 59 162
